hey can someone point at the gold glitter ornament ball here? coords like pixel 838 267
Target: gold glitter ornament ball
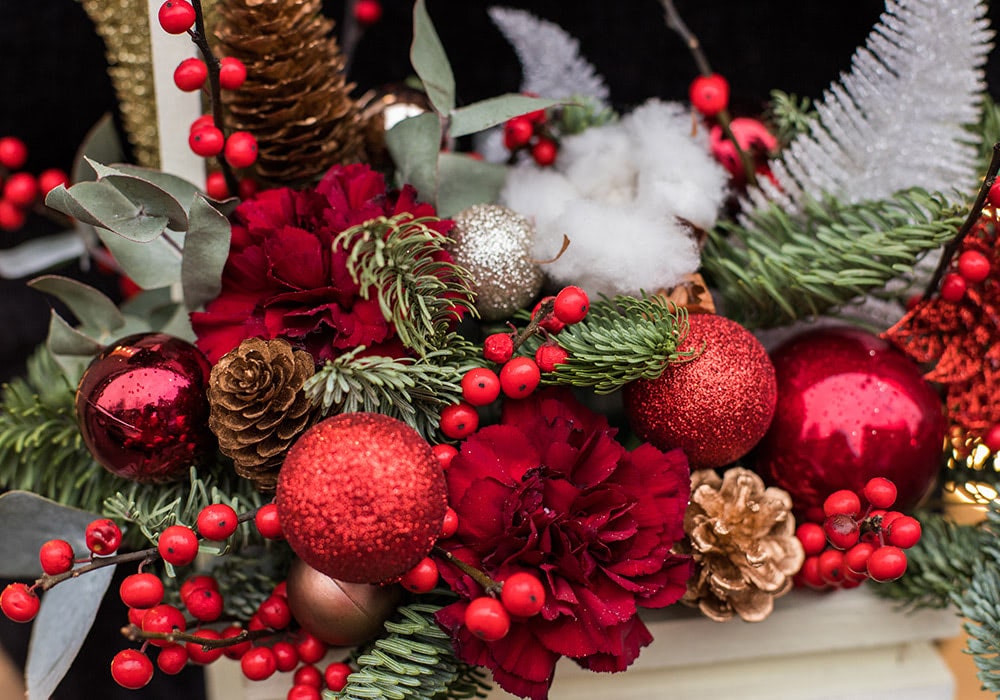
pixel 361 497
pixel 494 243
pixel 716 406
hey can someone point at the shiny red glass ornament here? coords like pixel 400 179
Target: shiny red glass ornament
pixel 850 407
pixel 142 409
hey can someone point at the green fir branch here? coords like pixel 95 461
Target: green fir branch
pixel 987 130
pixel 779 267
pixel 470 682
pixel 400 261
pixel 790 115
pixel 980 605
pixel 620 340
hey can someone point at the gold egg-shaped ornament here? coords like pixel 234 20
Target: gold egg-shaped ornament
pixel 339 613
pixel 494 244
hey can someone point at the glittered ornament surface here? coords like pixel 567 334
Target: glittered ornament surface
pixel 850 407
pixel 494 244
pixel 361 497
pixel 142 409
pixel 715 406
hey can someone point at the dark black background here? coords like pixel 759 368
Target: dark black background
pixel 53 87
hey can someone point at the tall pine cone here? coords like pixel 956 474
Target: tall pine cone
pixel 295 100
pixel 742 539
pixel 258 407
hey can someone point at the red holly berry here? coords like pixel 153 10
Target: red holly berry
pixel 450 525
pixel 486 618
pixel 135 616
pixel 267 522
pixel 12 217
pixel 21 189
pixel 141 590
pixel 422 578
pixel 544 151
pixel 550 355
pixel 517 132
pixel 248 188
pixel 880 492
pixel 831 566
pixel 810 574
pixel 205 605
pixel 172 659
pixel 856 558
pixel 50 179
pixel 311 649
pixel 709 94
pixel 13 153
pixel 285 655
pixel 190 74
pixel 232 73
pixel 216 186
pixel 259 663
pixel 235 651
pixel 163 619
pixel 131 669
pixel 498 347
pixel 812 537
pixel 523 594
pixel 308 675
pixel 992 438
pixel 887 563
pixel 275 613
pixel 178 545
pixel 993 197
pixel 176 16
pixel 842 530
pixel 217 521
pixel 201 122
pixel 953 287
pixel 303 692
pixel 241 149
pixel 459 420
pixel 842 502
pixel 367 12
pixel 903 532
pixel 444 453
pixel 480 386
pixel 571 305
pixel 973 266
pixel 195 583
pixel 56 557
pixel 519 377
pixel 19 603
pixel 281 589
pixel 103 536
pixel 549 322
pixel 336 675
pixel 198 654
pixel 207 141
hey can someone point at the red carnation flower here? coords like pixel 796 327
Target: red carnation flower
pixel 549 490
pixel 283 279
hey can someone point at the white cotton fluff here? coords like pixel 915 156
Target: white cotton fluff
pixel 618 192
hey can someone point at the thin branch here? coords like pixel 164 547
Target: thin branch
pixel 134 633
pixel 481 577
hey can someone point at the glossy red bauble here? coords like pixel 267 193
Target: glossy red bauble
pixel 142 409
pixel 850 408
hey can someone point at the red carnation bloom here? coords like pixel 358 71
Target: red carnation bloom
pixel 549 490
pixel 283 279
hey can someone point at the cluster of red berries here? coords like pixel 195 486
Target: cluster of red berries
pixel 863 545
pixel 530 132
pixel 21 190
pixel 974 264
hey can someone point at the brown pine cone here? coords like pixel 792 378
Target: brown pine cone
pixel 742 539
pixel 258 407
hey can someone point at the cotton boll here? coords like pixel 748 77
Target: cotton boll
pixel 541 194
pixel 599 164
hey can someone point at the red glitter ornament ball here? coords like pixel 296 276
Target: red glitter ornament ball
pixel 715 406
pixel 361 497
pixel 850 407
pixel 142 409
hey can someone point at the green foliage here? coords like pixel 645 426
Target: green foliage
pixel 987 131
pixel 779 266
pixel 399 260
pixel 582 113
pixel 790 115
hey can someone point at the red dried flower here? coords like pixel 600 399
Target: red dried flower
pixel 549 490
pixel 283 278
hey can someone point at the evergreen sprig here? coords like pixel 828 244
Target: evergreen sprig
pixel 620 340
pixel 400 260
pixel 980 605
pixel 790 114
pixel 777 266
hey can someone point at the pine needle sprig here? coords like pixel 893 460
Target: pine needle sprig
pixel 620 340
pixel 790 115
pixel 980 605
pixel 778 267
pixel 399 260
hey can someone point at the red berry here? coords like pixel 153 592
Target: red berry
pixel 842 531
pixel 12 217
pixel 311 649
pixel 56 557
pixel 367 12
pixel 973 266
pixel 572 305
pixel 812 537
pixel 281 589
pixel 198 654
pixel 498 347
pixel 842 502
pixel 135 616
pixel 544 152
pixel 888 518
pixel 336 675
pixel 992 438
pixel 217 521
pixel 235 651
pixel 13 153
pixel 308 675
pixel 50 179
pixel 232 73
pixel 953 287
pixel 887 563
pixel 519 377
pixel 178 545
pixel 880 492
pixel 267 522
pixel 216 187
pixel 856 558
pixel 172 659
pixel 141 590
pixel 810 573
pixel 523 594
pixel 994 194
pixel 459 420
pixel 163 619
pixel 548 356
pixel 285 655
pixel 259 663
pixel 422 578
pixel 480 386
pixel 131 669
pixel 19 603
pixel 248 188
pixel 241 149
pixel 195 583
pixel 444 453
pixel 709 94
pixel 190 74
pixel 176 16
pixel 548 322
pixel 450 525
pixel 517 133
pixel 207 141
pixel 103 537
pixel 831 566
pixel 303 692
pixel 487 619
pixel 21 189
pixel 205 605
pixel 201 122
pixel 903 532
pixel 275 613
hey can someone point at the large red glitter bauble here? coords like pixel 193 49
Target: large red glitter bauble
pixel 715 406
pixel 850 407
pixel 361 497
pixel 142 409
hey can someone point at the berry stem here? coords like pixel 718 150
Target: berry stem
pixel 137 634
pixel 544 311
pixel 481 577
pixel 351 34
pixel 144 556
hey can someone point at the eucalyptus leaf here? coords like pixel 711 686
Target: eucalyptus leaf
pixel 156 263
pixel 206 247
pixel 103 205
pixel 100 144
pixel 414 144
pixel 91 307
pixel 465 181
pixel 64 340
pixel 180 189
pixel 429 60
pixel 175 321
pixel 484 114
pixel 138 185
